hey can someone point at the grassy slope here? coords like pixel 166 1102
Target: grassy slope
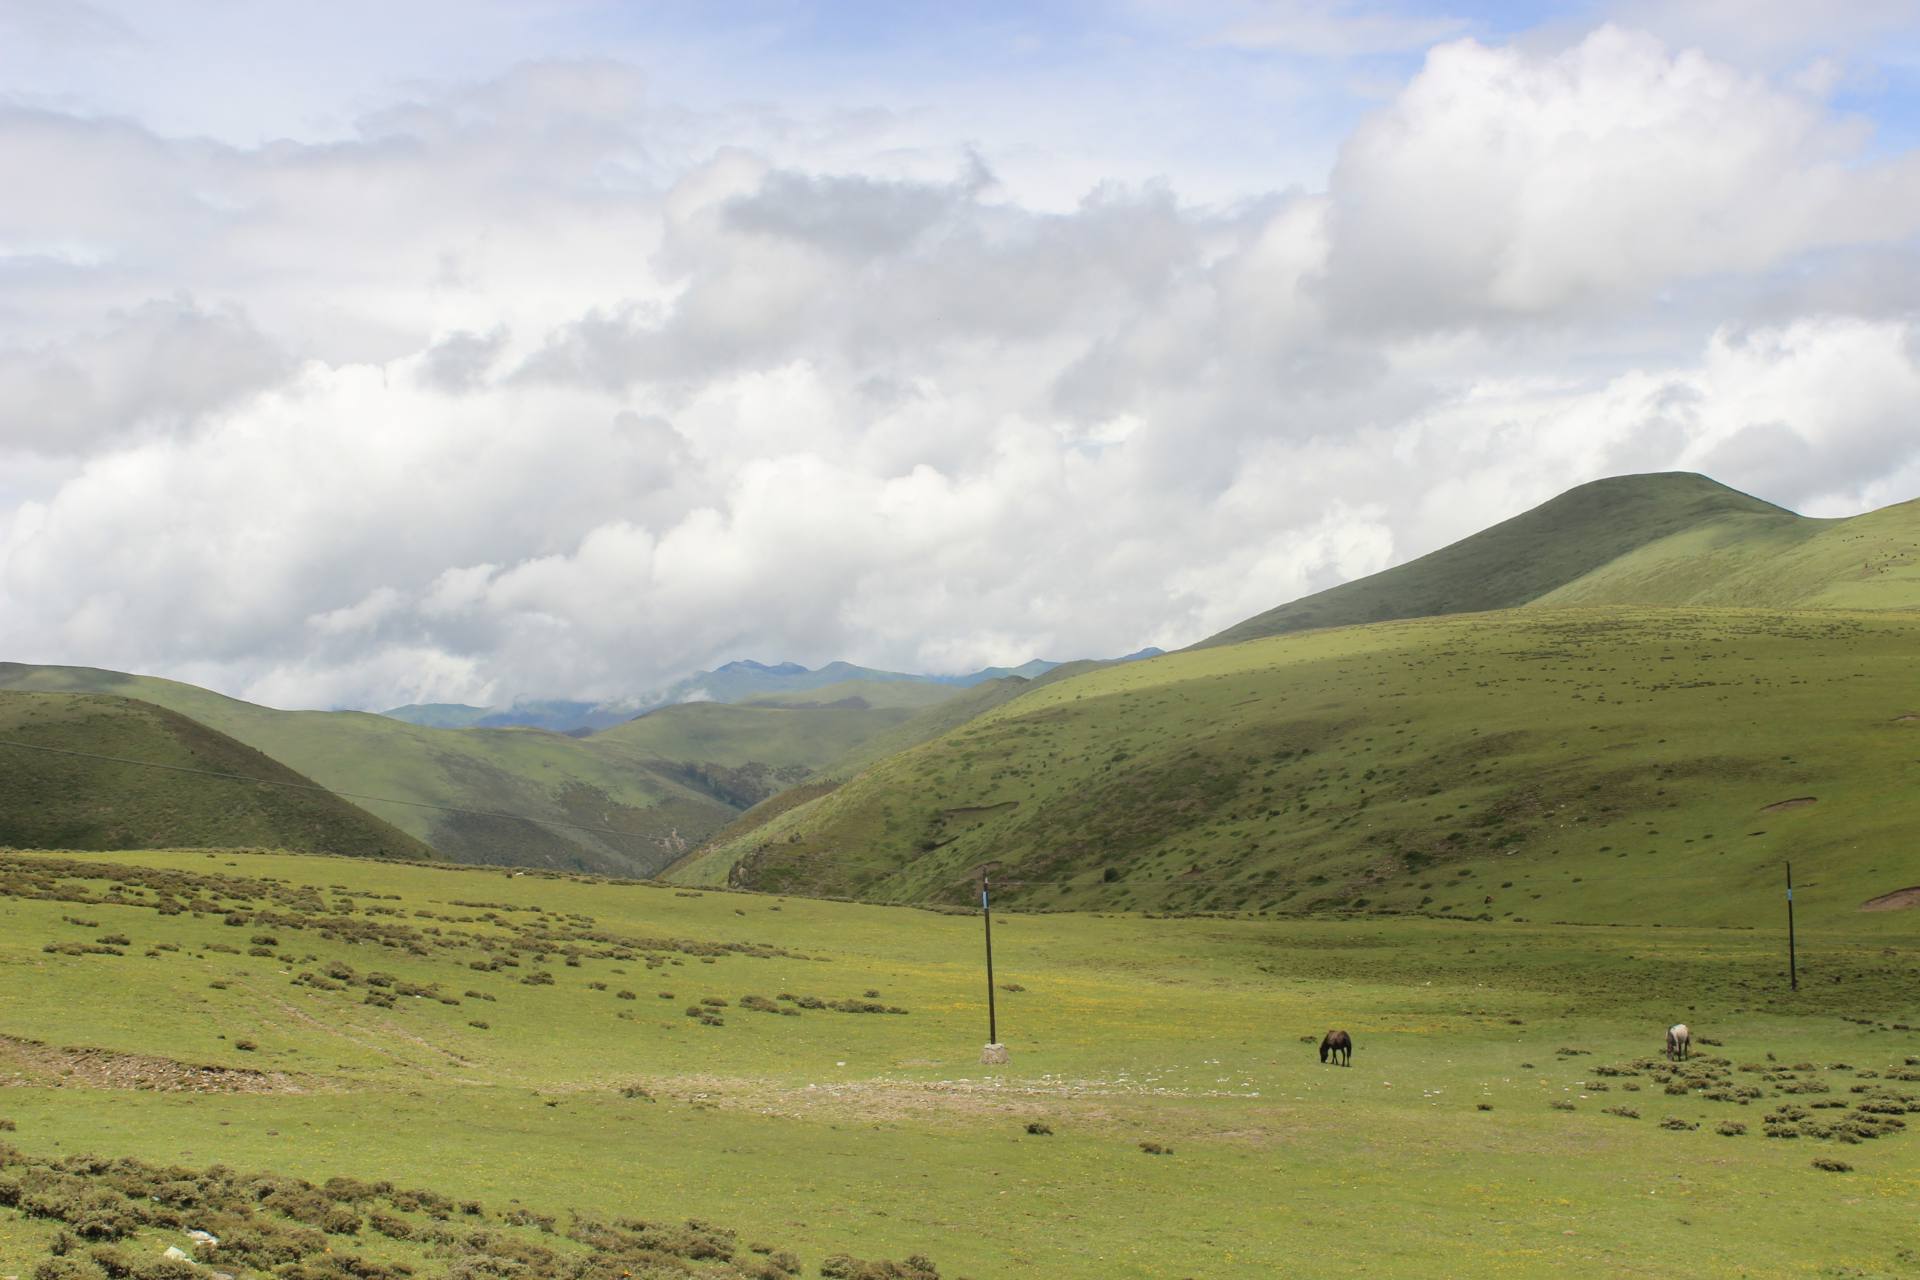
pixel 1528 764
pixel 75 802
pixel 911 695
pixel 943 716
pixel 881 1134
pixel 1870 561
pixel 661 786
pixel 1522 559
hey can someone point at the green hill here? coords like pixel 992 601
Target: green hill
pixel 57 793
pixel 1869 561
pixel 625 801
pixel 1520 560
pixel 1567 764
pixel 911 695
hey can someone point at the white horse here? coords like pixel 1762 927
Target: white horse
pixel 1679 1041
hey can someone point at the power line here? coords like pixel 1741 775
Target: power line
pixel 309 786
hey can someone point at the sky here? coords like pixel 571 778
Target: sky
pixel 361 354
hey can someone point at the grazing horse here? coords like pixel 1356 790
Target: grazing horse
pixel 1337 1045
pixel 1679 1042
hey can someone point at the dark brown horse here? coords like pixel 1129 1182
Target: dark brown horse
pixel 1337 1045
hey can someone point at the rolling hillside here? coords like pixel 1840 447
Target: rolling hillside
pixel 1523 559
pixel 50 799
pixel 1869 561
pixel 1566 764
pixel 627 801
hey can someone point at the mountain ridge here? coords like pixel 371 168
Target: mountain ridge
pixel 739 680
pixel 1520 559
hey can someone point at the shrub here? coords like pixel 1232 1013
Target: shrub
pixel 843 1266
pixel 388 1225
pixel 1832 1166
pixel 1040 1129
pixel 1625 1113
pixel 1730 1128
pixel 1155 1149
pixel 245 1046
pixel 1677 1124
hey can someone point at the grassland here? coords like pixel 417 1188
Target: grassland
pixel 56 790
pixel 627 800
pixel 1870 561
pixel 1585 765
pixel 464 1032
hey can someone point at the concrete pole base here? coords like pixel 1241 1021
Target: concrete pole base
pixel 994 1055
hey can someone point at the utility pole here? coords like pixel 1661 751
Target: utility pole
pixel 995 1053
pixel 1793 969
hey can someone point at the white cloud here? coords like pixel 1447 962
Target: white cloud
pixel 526 389
pixel 1502 184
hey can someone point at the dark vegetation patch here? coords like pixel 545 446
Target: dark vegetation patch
pixel 489 933
pixel 109 1211
pixel 843 1266
pixel 839 1006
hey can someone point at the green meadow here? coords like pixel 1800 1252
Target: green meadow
pixel 549 1052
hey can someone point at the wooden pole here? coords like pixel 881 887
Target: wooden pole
pixel 1793 968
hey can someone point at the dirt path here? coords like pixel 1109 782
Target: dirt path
pixel 1798 802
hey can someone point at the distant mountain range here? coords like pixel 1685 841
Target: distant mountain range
pixel 740 681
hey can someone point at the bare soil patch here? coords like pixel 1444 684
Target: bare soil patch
pixel 1798 802
pixel 32 1063
pixel 1895 901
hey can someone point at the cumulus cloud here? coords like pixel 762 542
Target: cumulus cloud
pixel 541 387
pixel 1502 184
pixel 162 365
